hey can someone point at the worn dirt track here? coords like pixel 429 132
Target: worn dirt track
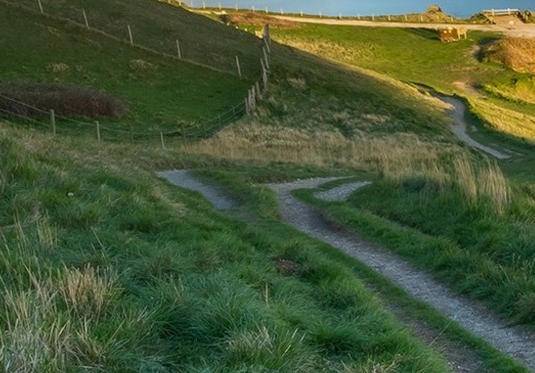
pixel 513 341
pixel 518 30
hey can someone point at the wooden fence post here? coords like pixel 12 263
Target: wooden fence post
pixel 179 52
pixel 161 140
pixel 258 92
pixel 53 122
pixel 130 35
pixel 247 110
pixel 373 17
pixel 40 6
pixel 238 66
pixel 266 58
pixel 266 44
pixel 98 130
pixel 85 18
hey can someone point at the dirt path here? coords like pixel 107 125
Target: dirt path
pixel 512 341
pixel 521 30
pixel 460 127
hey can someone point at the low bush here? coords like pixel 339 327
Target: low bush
pixel 35 100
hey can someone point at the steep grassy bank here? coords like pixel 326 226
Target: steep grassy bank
pixel 157 25
pixel 159 93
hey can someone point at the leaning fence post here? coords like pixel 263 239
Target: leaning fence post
pixel 98 130
pixel 53 122
pixel 130 35
pixel 40 6
pixel 178 49
pixel 238 66
pixel 266 58
pixel 161 140
pixel 85 18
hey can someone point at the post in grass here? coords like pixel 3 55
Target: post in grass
pixel 40 6
pixel 53 122
pixel 266 58
pixel 85 18
pixel 130 34
pixel 257 89
pixel 98 130
pixel 179 52
pixel 238 66
pixel 162 140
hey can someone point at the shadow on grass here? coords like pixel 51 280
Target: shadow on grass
pixel 424 33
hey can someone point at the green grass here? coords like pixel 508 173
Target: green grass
pixel 447 67
pixel 479 249
pixel 157 25
pixel 392 51
pixel 125 273
pixel 158 98
pixel 110 268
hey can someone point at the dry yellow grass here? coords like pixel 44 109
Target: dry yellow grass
pixel 505 120
pixel 516 53
pixel 388 154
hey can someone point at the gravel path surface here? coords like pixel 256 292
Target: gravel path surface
pixel 512 341
pixel 185 179
pixel 460 127
pixel 340 193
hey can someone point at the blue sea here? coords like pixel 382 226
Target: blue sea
pixel 458 8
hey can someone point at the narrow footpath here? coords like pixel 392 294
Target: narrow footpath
pixel 512 341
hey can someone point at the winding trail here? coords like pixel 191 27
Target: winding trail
pixel 460 127
pixel 512 341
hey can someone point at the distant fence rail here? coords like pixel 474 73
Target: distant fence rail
pixel 501 12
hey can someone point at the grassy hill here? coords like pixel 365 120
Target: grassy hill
pixel 106 267
pixel 460 215
pixel 159 93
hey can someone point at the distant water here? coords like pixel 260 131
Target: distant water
pixel 458 8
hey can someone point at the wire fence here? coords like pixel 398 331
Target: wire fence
pixel 57 124
pixel 174 37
